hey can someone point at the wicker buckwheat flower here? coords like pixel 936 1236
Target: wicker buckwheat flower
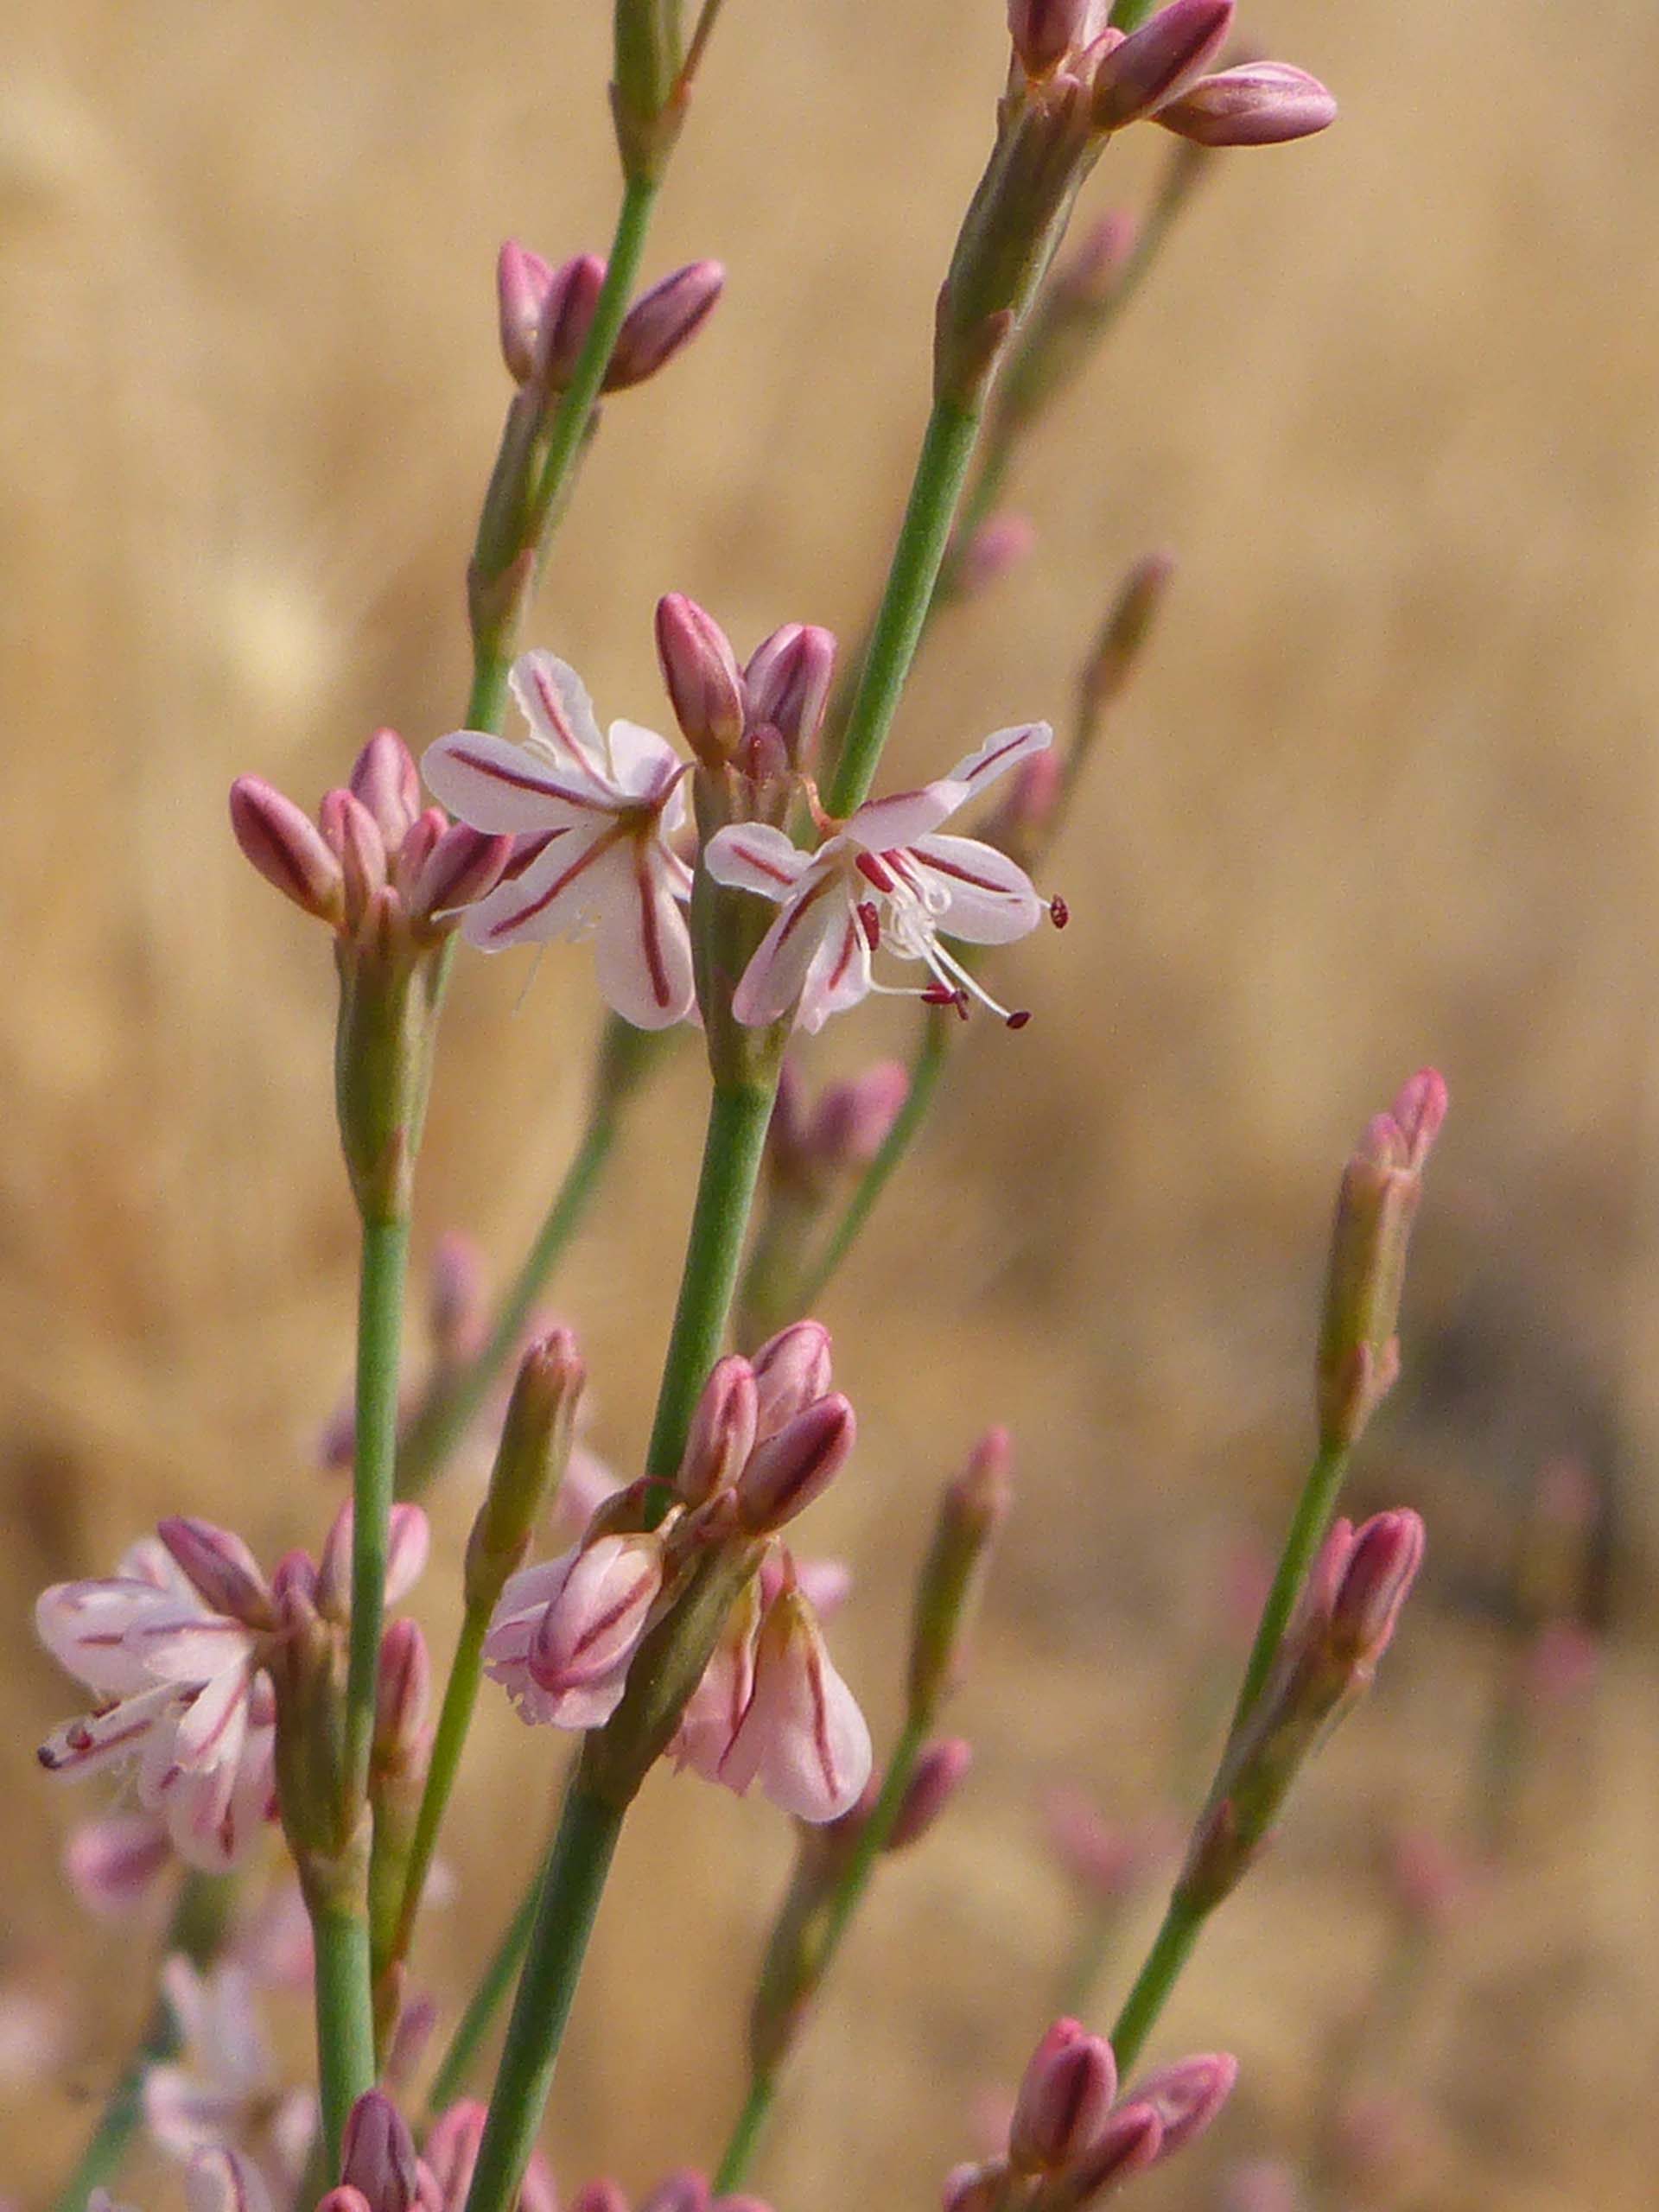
pixel 601 810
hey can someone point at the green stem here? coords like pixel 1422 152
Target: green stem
pixel 345 2019
pixel 486 2001
pixel 196 1928
pixel 738 1115
pixel 576 1869
pixel 1172 1947
pixel 457 1402
pixel 1097 1938
pixel 1307 1530
pixel 379 1331
pixel 941 470
pixel 459 1698
pixel 746 2134
pixel 927 1065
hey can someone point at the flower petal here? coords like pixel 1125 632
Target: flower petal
pixel 817 909
pixel 989 899
pixel 85 1625
pixel 1003 750
pixel 803 1736
pixel 642 950
pixel 881 824
pixel 186 1647
pixel 507 789
pixel 642 761
pixel 554 701
pixel 754 856
pixel 839 976
pixel 553 896
pixel 107 1738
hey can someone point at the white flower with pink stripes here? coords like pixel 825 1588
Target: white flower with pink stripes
pixel 885 878
pixel 596 814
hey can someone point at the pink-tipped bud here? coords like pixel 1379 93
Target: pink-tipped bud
pixel 1158 61
pixel 663 321
pixel 385 778
pixel 591 1627
pixel 567 317
pixel 530 1461
pixel 456 1299
pixel 287 849
pixel 377 2155
pixel 791 1370
pixel 855 1119
pixel 1131 2140
pixel 451 2150
pixel 1063 2099
pixel 1258 104
pixel 701 674
pixel 1124 634
pixel 1107 1861
pixel 602 2195
pixel 974 1507
pixel 462 865
pixel 684 2191
pixel 722 1431
pixel 939 1775
pixel 420 842
pixel 408 1540
pixel 114 1863
pixel 787 681
pixel 221 1567
pixel 980 2188
pixel 997 549
pixel 1188 2096
pixel 789 1469
pixel 1044 31
pixel 1090 274
pixel 403 1694
pixel 523 281
pixel 1376 1580
pixel 355 834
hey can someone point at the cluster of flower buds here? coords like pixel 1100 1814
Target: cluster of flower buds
pixel 765 1704
pixel 187 1648
pixel 763 717
pixel 546 313
pixel 1343 1623
pixel 1382 1185
pixel 811 1151
pixel 1072 2138
pixel 381 2172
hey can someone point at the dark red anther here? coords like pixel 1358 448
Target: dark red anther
pixel 871 923
pixel 1058 912
pixel 1019 1020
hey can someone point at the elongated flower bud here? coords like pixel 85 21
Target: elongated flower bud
pixel 1258 104
pixel 853 1119
pixel 939 1773
pixel 1188 2096
pixel 530 1462
pixel 1044 31
pixel 997 549
pixel 722 1434
pixel 1067 2091
pixel 787 681
pixel 701 674
pixel 285 845
pixel 384 779
pixel 567 317
pixel 1160 61
pixel 523 283
pixel 1131 2140
pixel 377 2154
pixel 972 1509
pixel 220 1565
pixel 790 1469
pixel 663 321
pixel 403 1695
pixel 791 1370
pixel 463 864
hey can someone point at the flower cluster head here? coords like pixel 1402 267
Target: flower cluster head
pixel 768 1437
pixel 383 872
pixel 1072 2138
pixel 546 313
pixel 1160 72
pixel 176 1647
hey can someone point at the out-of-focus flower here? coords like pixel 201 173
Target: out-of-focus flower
pixel 600 811
pixel 223 2092
pixel 886 877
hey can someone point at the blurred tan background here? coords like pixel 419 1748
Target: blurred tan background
pixel 1385 794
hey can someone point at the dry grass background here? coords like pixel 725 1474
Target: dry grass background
pixel 1385 794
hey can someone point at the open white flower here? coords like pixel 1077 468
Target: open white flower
pixel 885 878
pixel 600 812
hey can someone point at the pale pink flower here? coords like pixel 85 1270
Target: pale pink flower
pixel 602 810
pixel 223 2092
pixel 562 1633
pixel 802 1736
pixel 180 1703
pixel 885 878
pixel 114 1863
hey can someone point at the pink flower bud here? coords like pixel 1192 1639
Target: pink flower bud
pixel 113 1864
pixel 523 281
pixel 802 1736
pixel 287 849
pixel 1380 1570
pixel 721 1435
pixel 377 2154
pixel 975 2188
pixel 1044 31
pixel 1259 104
pixel 787 681
pixel 409 1539
pixel 997 549
pixel 700 673
pixel 385 781
pixel 567 317
pixel 403 1693
pixel 451 2149
pixel 1188 2096
pixel 790 1469
pixel 220 1566
pixel 456 1299
pixel 1067 2091
pixel 974 1505
pixel 463 864
pixel 853 1119
pixel 1132 2139
pixel 791 1370
pixel 588 1631
pixel 1160 61
pixel 600 2196
pixel 355 834
pixel 1092 273
pixel 938 1774
pixel 661 321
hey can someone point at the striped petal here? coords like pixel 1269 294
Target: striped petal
pixel 554 701
pixel 506 789
pixel 642 948
pixel 985 898
pixel 819 909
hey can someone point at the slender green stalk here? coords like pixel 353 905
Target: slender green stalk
pixel 829 1929
pixel 1097 1938
pixel 576 1869
pixel 738 1115
pixel 486 2001
pixel 345 2019
pixel 459 1698
pixel 926 1066
pixel 457 1403
pixel 380 1331
pixel 195 1928
pixel 941 471
pixel 1170 1952
pixel 1307 1531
